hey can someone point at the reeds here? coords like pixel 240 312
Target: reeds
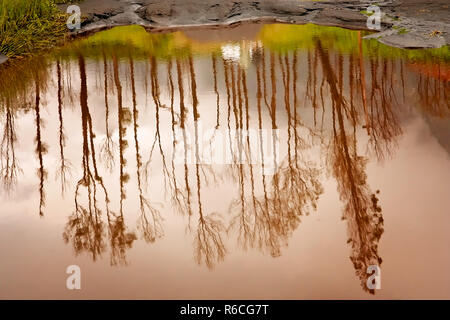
pixel 29 25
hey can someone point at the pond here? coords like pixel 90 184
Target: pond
pixel 262 161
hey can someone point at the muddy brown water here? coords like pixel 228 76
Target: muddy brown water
pixel 247 163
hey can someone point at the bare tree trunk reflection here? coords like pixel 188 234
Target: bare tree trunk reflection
pixel 41 148
pixel 85 228
pixel 216 90
pixel 178 198
pixel 120 239
pixel 151 226
pixel 9 165
pixel 362 79
pixel 183 128
pixel 363 215
pixel 385 126
pixel 108 147
pixel 156 99
pixel 65 165
pixel 123 119
pixel 209 245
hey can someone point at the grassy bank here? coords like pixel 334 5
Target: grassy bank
pixel 30 25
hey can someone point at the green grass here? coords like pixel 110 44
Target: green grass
pixel 29 25
pixel 400 30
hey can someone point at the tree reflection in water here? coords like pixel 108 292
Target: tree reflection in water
pixel 280 89
pixel 361 210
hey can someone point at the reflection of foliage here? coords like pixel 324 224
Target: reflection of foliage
pixel 151 226
pixel 41 147
pixel 276 37
pixel 264 219
pixel 286 37
pixel 21 86
pixel 17 77
pixel 209 246
pixel 107 151
pixel 267 222
pixel 361 210
pixel 120 40
pixel 383 123
pixel 108 146
pixel 120 239
pixel 85 230
pixel 65 165
pixel 9 167
pixel 434 93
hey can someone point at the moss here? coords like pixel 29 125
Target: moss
pixel 366 13
pixel 395 18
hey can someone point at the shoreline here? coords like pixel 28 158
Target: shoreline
pixel 403 25
pixel 400 27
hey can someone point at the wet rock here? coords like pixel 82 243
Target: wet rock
pixel 218 11
pixel 159 11
pixel 341 18
pixel 412 40
pixel 312 5
pixel 158 8
pixel 126 18
pixel 343 15
pixel 283 7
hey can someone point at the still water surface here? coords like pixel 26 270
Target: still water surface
pixel 105 164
